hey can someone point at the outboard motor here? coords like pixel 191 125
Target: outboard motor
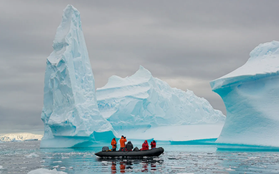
pixel 105 148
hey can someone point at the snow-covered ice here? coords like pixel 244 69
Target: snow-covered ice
pixel 70 113
pixel 142 107
pixel 251 97
pixel 20 137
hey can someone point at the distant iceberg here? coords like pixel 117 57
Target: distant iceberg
pixel 141 106
pixel 251 97
pixel 70 114
pixel 20 137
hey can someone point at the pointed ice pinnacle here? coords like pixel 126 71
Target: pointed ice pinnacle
pixel 70 106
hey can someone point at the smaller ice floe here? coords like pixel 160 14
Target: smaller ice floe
pixel 104 163
pixel 62 168
pixel 177 167
pixel 32 155
pixel 230 169
pixel 55 166
pixel 1 167
pixel 45 171
pixel 57 162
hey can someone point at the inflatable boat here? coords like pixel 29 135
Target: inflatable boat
pixel 152 152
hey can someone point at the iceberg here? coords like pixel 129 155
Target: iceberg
pixel 20 137
pixel 143 107
pixel 251 96
pixel 70 113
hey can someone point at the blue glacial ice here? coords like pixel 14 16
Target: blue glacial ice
pixel 152 109
pixel 70 113
pixel 140 106
pixel 251 97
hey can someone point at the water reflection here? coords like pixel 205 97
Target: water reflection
pixel 132 165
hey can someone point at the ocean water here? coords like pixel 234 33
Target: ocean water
pixel 22 157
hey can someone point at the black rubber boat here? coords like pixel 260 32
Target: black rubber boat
pixel 152 152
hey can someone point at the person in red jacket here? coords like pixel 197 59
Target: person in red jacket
pixel 122 143
pixel 113 144
pixel 145 146
pixel 153 144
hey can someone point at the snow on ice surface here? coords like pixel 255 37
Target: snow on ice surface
pixel 45 171
pixel 263 61
pixel 149 107
pixel 70 113
pixel 251 97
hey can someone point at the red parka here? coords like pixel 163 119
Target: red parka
pixel 113 143
pixel 153 144
pixel 145 146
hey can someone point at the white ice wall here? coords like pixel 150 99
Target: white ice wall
pixel 251 97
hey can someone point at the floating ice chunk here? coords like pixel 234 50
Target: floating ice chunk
pixel 177 167
pixel 45 171
pixel 230 169
pixel 57 162
pixel 32 155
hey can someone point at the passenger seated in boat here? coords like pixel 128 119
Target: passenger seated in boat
pixel 153 144
pixel 113 144
pixel 129 146
pixel 122 143
pixel 145 145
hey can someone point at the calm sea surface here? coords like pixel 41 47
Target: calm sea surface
pixel 22 157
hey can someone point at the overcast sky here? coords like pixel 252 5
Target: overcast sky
pixel 185 43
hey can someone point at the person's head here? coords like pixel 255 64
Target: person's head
pixel 145 141
pixel 113 138
pixel 129 142
pixel 122 136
